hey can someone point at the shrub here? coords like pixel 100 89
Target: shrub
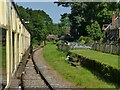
pixel 101 40
pixel 85 40
pixel 59 42
pixel 94 30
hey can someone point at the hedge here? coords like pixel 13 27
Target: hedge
pixel 107 72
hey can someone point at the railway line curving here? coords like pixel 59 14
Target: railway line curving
pixel 32 78
pixel 39 75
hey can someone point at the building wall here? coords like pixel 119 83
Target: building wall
pixel 112 30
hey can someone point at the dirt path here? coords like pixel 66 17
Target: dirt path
pixel 50 74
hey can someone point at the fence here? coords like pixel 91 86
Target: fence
pixel 107 48
pixel 17 37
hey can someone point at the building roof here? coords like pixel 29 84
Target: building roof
pixel 111 26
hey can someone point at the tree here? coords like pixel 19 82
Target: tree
pixel 94 31
pixel 40 24
pixel 85 13
pixel 64 23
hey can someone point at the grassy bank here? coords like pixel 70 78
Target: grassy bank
pixel 80 76
pixel 105 58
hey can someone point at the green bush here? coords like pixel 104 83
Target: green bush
pixel 101 40
pixel 85 40
pixel 94 30
pixel 59 42
pixel 35 43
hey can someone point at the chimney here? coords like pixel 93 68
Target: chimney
pixel 113 18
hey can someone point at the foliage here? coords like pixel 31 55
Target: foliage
pixel 49 40
pixel 85 13
pixel 82 41
pixel 94 31
pixel 85 40
pixel 65 23
pixel 35 43
pixel 40 24
pixel 80 76
pixel 59 42
pixel 101 40
pixel 57 30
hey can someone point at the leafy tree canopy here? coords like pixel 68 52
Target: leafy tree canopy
pixel 85 13
pixel 40 24
pixel 94 31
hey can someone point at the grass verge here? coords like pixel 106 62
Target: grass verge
pixel 105 58
pixel 80 76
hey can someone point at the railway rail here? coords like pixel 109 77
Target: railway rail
pixel 35 74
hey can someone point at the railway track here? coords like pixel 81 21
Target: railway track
pixel 37 75
pixel 32 78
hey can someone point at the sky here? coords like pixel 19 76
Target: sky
pixel 49 7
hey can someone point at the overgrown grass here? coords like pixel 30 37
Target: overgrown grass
pixel 80 76
pixel 105 58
